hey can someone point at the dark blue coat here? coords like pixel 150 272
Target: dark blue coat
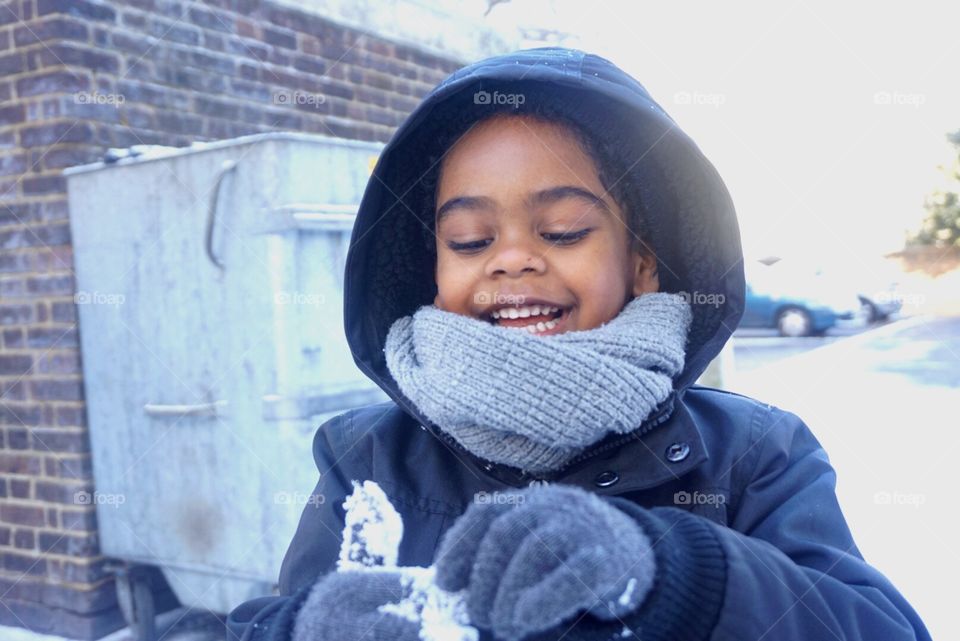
pixel 750 540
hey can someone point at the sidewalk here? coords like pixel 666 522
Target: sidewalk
pixel 175 625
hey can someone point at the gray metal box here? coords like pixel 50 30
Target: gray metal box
pixel 209 291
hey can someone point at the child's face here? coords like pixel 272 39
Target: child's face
pixel 524 222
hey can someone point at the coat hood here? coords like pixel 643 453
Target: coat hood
pixel 693 231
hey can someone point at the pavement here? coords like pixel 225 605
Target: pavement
pixel 181 624
pixel 755 348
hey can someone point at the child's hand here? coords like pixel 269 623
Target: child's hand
pixel 536 558
pixel 343 606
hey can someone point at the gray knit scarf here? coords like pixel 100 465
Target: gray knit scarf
pixel 535 402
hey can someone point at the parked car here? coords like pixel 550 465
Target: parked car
pixel 796 302
pixel 875 281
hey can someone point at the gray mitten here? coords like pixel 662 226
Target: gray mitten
pixel 548 553
pixel 342 606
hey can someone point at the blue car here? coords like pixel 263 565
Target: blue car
pixel 795 303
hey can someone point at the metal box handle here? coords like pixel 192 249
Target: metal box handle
pixel 196 409
pixel 226 168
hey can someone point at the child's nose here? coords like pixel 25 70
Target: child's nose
pixel 515 260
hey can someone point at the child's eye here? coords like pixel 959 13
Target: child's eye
pixel 557 238
pixel 472 246
pixel 566 238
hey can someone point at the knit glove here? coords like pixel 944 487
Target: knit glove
pixel 342 606
pixel 536 558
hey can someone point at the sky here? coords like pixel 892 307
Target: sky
pixel 826 120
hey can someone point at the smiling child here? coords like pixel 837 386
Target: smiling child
pixel 542 266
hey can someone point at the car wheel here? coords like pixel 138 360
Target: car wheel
pixel 794 322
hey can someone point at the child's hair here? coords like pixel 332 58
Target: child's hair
pixel 613 170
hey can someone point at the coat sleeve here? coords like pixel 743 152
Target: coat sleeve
pixel 786 568
pixel 313 551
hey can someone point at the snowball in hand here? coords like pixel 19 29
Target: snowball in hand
pixel 372 531
pixel 371 543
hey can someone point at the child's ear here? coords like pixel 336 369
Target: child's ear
pixel 645 277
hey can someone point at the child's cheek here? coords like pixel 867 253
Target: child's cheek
pixel 448 301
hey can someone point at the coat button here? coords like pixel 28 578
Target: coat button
pixel 606 479
pixel 488 466
pixel 678 451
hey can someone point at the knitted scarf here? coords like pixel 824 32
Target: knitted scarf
pixel 535 402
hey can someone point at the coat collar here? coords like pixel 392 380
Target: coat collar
pixel 659 455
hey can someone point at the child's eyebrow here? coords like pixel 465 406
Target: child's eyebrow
pixel 554 194
pixel 465 202
pixel 537 199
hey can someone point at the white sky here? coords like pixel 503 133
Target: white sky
pixel 815 165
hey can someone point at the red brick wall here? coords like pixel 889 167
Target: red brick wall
pixel 181 71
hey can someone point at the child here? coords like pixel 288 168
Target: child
pixel 541 267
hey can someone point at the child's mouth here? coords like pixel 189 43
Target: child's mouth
pixel 542 320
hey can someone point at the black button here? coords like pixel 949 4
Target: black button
pixel 488 466
pixel 678 451
pixel 606 479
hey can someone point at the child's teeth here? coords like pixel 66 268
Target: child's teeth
pixel 527 312
pixel 537 327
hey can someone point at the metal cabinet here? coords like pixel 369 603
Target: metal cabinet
pixel 209 292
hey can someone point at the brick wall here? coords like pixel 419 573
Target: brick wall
pixel 77 77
